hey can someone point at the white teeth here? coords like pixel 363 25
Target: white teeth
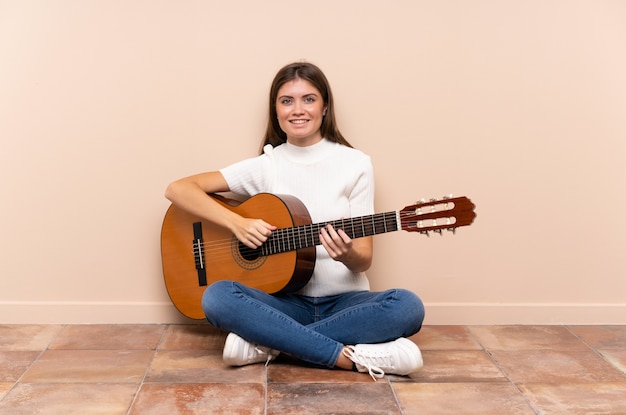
pixel 298 121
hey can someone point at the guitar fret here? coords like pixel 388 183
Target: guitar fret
pixel 318 229
pixel 276 242
pixel 309 229
pixel 284 240
pixel 292 243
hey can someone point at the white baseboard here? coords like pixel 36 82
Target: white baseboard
pixel 525 313
pixel 105 312
pixel 24 312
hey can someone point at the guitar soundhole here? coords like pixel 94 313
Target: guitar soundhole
pixel 246 258
pixel 249 254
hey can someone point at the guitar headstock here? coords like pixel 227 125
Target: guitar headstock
pixel 437 215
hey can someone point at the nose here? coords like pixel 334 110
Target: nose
pixel 298 108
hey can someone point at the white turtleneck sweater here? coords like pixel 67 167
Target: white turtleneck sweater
pixel 332 180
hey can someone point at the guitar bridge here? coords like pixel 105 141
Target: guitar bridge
pixel 198 253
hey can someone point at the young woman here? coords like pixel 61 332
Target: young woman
pixel 334 321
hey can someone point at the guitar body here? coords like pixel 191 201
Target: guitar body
pixel 225 258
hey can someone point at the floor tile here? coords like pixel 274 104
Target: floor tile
pixel 193 336
pixel 87 366
pixel 331 398
pixel 445 338
pixel 526 338
pixel 602 337
pixel 461 398
pixel 548 366
pixel 457 366
pixel 279 371
pixel 27 337
pixel 577 399
pixel 191 399
pixel 14 364
pixel 198 366
pixel 4 388
pixel 108 337
pixel 68 399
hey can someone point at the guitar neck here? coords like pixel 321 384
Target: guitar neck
pixel 297 237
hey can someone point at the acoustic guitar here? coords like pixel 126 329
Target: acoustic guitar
pixel 196 252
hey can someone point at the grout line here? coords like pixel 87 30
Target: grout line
pixel 148 367
pixel 504 372
pixel 265 387
pixel 395 396
pixel 35 360
pixel 593 349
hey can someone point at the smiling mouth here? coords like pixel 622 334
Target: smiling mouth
pixel 299 121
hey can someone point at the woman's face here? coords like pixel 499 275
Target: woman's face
pixel 300 109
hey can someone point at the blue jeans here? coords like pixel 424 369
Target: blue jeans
pixel 312 329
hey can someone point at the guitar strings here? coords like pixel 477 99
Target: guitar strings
pixel 221 248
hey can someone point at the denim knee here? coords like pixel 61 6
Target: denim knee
pixel 215 300
pixel 412 309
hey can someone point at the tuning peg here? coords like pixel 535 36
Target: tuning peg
pixel 453 230
pixel 448 196
pixel 438 231
pixel 425 233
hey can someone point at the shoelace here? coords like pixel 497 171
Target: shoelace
pixel 374 371
pixel 259 350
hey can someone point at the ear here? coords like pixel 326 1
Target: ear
pixel 324 112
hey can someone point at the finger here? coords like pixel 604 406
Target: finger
pixel 253 239
pixel 343 236
pixel 339 236
pixel 327 242
pixel 250 244
pixel 332 233
pixel 268 226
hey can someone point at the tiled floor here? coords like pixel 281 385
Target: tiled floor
pixel 177 369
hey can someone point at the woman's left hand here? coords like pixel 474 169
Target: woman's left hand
pixel 337 242
pixel 355 254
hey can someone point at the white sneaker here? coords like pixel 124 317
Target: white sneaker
pixel 239 352
pixel 399 357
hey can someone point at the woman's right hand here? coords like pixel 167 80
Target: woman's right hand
pixel 251 232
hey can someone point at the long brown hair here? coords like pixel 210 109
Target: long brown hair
pixel 311 73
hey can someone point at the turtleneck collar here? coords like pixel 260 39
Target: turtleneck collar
pixel 309 154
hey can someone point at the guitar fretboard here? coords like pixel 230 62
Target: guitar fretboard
pixel 297 237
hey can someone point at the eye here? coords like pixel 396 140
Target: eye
pixel 286 101
pixel 309 99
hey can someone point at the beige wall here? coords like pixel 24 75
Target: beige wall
pixel 520 105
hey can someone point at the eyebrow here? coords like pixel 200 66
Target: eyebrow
pixel 312 94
